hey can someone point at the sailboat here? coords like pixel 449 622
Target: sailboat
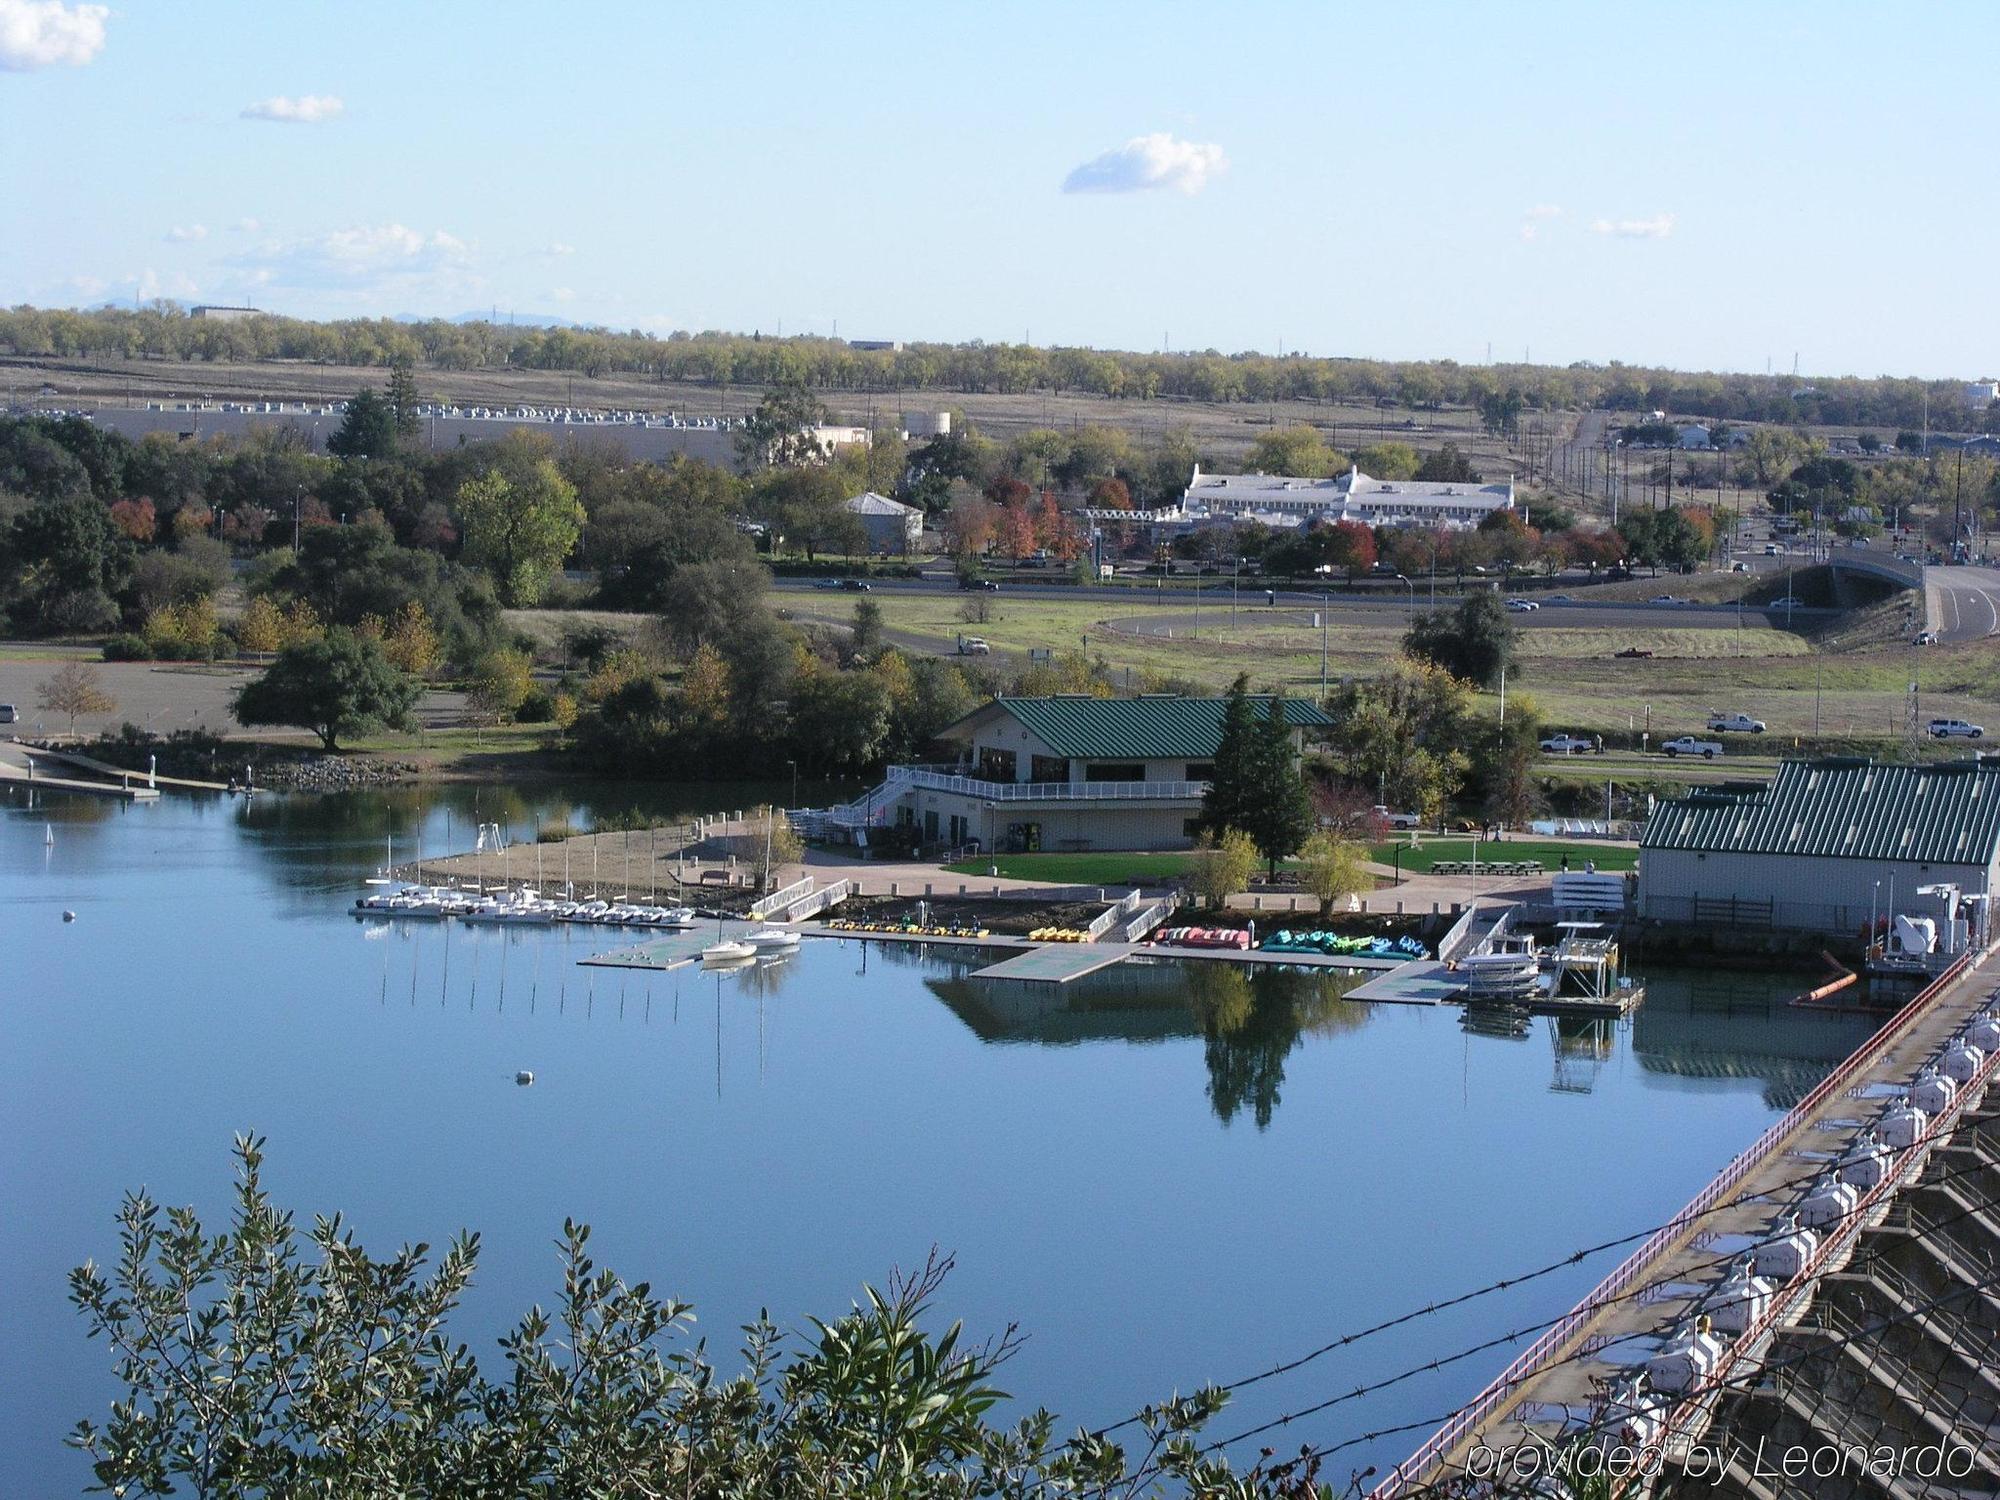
pixel 726 950
pixel 388 865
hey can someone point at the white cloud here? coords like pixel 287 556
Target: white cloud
pixel 43 33
pixel 306 109
pixel 1656 228
pixel 90 286
pixel 151 285
pixel 366 258
pixel 563 294
pixel 1149 161
pixel 182 234
pixel 559 248
pixel 246 226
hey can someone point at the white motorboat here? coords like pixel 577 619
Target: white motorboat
pixel 1510 974
pixel 678 916
pixel 728 951
pixel 773 940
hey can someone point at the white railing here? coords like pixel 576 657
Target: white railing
pixel 819 900
pixel 1044 791
pixel 778 900
pixel 1145 922
pixel 1127 904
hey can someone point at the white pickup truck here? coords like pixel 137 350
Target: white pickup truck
pixel 1735 723
pixel 1687 744
pixel 1396 819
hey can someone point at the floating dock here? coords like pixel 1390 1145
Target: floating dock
pixel 1057 963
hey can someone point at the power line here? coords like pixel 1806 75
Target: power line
pixel 1635 1294
pixel 1680 1220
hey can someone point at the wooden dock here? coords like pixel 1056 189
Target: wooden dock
pixel 15 776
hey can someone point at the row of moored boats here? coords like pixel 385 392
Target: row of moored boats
pixel 437 902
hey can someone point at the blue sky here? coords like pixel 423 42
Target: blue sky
pixel 1699 186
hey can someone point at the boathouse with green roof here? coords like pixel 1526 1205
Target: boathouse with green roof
pixel 1824 846
pixel 1069 772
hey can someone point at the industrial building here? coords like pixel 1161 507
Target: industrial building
pixel 890 525
pixel 1067 772
pixel 1285 501
pixel 1831 846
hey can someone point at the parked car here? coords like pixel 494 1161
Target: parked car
pixel 1666 599
pixel 826 583
pixel 1522 606
pixel 1924 638
pixel 1790 601
pixel 1559 599
pixel 1567 744
pixel 1736 723
pixel 972 645
pixel 1687 744
pixel 856 585
pixel 974 585
pixel 9 714
pixel 1635 651
pixel 1947 729
pixel 1772 549
pixel 1395 819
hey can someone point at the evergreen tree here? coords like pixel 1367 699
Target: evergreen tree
pixel 1280 814
pixel 403 397
pixel 368 430
pixel 1232 788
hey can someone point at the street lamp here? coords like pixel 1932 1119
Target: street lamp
pixel 795 781
pixel 1413 595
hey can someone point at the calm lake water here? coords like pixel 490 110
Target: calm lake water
pixel 1166 1175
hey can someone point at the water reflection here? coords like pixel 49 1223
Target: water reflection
pixel 1710 1024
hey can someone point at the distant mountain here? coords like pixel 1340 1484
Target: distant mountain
pixel 487 315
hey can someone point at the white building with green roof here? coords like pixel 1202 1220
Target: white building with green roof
pixel 1824 846
pixel 1063 773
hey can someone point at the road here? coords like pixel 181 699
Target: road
pixel 1965 602
pixel 1389 608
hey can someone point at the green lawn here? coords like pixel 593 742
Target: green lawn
pixel 1418 861
pixel 1079 869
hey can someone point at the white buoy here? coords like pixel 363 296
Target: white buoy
pixel 524 1078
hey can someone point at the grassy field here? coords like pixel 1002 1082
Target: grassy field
pixel 1573 676
pixel 1079 869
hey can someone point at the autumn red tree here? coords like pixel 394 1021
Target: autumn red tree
pixel 1110 494
pixel 135 519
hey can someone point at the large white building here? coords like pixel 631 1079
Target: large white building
pixel 891 526
pixel 1279 500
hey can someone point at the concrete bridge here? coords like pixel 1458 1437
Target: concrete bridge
pixel 1577 1381
pixel 1961 602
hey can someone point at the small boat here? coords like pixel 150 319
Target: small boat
pixel 773 940
pixel 1504 975
pixel 676 916
pixel 728 951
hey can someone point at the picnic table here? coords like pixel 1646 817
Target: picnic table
pixel 1487 867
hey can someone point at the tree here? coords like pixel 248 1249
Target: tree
pixel 75 688
pixel 261 626
pixel 779 434
pixel 1501 414
pixel 1474 641
pixel 498 684
pixel 367 430
pixel 1388 461
pixel 773 844
pixel 969 525
pixel 411 641
pixel 264 1358
pixel 1110 494
pixel 1297 451
pixel 520 529
pixel 867 635
pixel 1231 797
pixel 1508 767
pixel 1280 814
pixel 1333 868
pixel 1403 736
pixel 402 398
pixel 1447 466
pixel 336 685
pixel 1222 866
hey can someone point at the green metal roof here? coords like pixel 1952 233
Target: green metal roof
pixel 1844 809
pixel 1150 728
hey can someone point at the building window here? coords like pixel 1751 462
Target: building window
pixel 1048 768
pixel 996 765
pixel 1201 770
pixel 1113 770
